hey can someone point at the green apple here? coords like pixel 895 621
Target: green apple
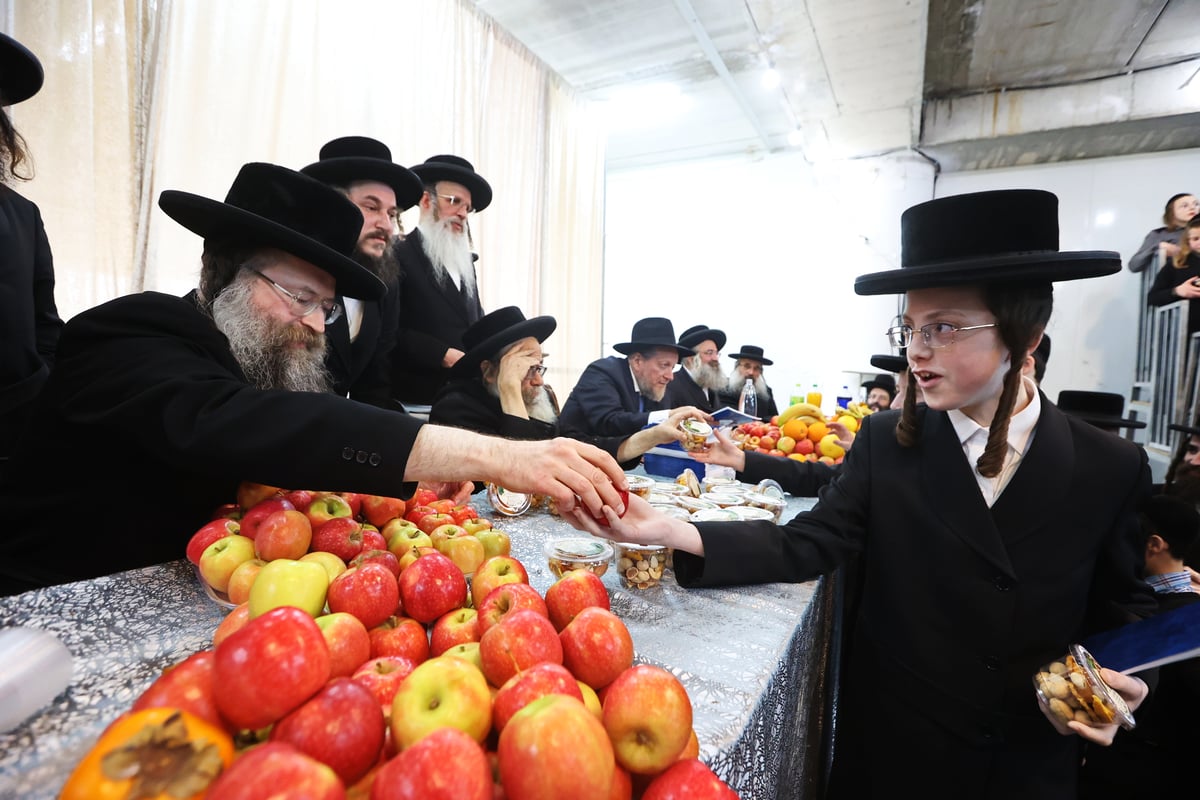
pixel 222 557
pixel 333 565
pixel 404 539
pixel 441 693
pixel 495 542
pixel 289 582
pixel 396 526
pixel 467 651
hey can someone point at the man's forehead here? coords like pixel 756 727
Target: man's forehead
pixel 381 192
pixel 285 266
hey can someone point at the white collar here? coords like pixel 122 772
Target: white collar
pixel 1020 426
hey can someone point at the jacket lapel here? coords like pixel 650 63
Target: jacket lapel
pixel 1041 480
pixel 337 335
pixel 368 331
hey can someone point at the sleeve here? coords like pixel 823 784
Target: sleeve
pixel 1145 255
pixel 1161 292
pixel 597 408
pixel 799 478
pixel 46 320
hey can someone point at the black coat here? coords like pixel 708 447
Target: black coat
pixel 1169 276
pixel 960 603
pixel 683 391
pixel 432 316
pixel 29 321
pixel 361 369
pixel 605 402
pixel 798 478
pixel 147 424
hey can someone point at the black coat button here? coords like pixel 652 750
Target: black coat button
pixel 347 453
pixel 1002 583
pixel 375 459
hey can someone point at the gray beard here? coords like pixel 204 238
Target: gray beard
pixel 539 407
pixel 736 382
pixel 450 254
pixel 708 376
pixel 651 391
pixel 263 348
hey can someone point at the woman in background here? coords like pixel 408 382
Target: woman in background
pixel 1179 278
pixel 1180 210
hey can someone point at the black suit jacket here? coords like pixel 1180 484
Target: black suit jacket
pixel 683 391
pixel 960 603
pixel 432 316
pixel 147 424
pixel 605 402
pixel 29 321
pixel 361 369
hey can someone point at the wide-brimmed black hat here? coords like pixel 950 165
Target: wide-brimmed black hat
pixel 459 170
pixel 896 363
pixel 1006 236
pixel 885 381
pixel 754 353
pixel 1191 430
pixel 21 74
pixel 651 333
pixel 273 206
pixel 701 333
pixel 496 330
pixel 361 158
pixel 1102 409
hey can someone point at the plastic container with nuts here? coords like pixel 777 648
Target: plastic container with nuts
pixel 641 565
pixel 577 552
pixel 716 484
pixel 641 485
pixel 695 433
pixel 1072 689
pixel 765 501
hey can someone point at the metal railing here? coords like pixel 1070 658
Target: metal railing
pixel 1173 372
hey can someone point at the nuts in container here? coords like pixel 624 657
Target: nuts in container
pixel 641 565
pixel 769 502
pixel 1071 689
pixel 577 552
pixel 641 485
pixel 688 480
pixel 696 433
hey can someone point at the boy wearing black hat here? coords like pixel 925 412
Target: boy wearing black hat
pixel 163 405
pixel 699 379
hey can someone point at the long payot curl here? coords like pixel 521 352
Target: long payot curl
pixel 1021 313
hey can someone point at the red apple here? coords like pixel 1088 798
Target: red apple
pixel 242 579
pixel 689 779
pixel 415 513
pixel 383 677
pixel 384 557
pixel 260 772
pixel 348 640
pixel 528 685
pixel 342 536
pixel 373 539
pixel 574 591
pixel 208 533
pixel 518 641
pixel 534 764
pixel 602 520
pixel 300 499
pixel 445 765
pixel 432 520
pixel 369 592
pixel 235 620
pixel 222 557
pixel 404 539
pixel 227 511
pixel 415 553
pixel 441 693
pixel 442 505
pixel 379 510
pixel 454 627
pixel 648 716
pixel 463 512
pixel 355 501
pixel 260 511
pixel 250 494
pixel 493 572
pixel 400 636
pixel 325 507
pixel 422 497
pixel 431 586
pixel 341 726
pixel 456 544
pixel 187 685
pixel 269 667
pixel 506 599
pixel 283 534
pixel 597 647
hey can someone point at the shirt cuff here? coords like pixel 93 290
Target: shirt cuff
pixel 656 417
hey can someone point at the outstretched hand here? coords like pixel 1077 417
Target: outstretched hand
pixel 725 453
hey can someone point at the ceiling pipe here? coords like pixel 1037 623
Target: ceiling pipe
pixel 710 51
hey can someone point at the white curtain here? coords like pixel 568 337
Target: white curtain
pixel 147 95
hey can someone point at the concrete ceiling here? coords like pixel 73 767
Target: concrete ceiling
pixel 969 83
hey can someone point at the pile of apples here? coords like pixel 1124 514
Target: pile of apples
pixel 796 439
pixel 397 677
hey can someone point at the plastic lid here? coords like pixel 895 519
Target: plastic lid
pixel 508 503
pixel 579 548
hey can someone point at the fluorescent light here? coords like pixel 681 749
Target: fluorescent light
pixel 795 138
pixel 770 78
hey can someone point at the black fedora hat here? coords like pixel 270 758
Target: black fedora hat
pixel 1006 236
pixel 1102 409
pixel 896 363
pixel 1191 430
pixel 651 333
pixel 459 170
pixel 361 158
pixel 701 333
pixel 496 330
pixel 754 353
pixel 883 381
pixel 272 206
pixel 21 74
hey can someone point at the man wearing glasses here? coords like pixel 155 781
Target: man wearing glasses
pixel 361 339
pixel 439 297
pixel 160 406
pixel 700 379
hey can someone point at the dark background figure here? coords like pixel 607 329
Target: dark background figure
pixel 29 321
pixel 699 378
pixel 1105 410
pixel 439 294
pixel 749 363
pixel 361 339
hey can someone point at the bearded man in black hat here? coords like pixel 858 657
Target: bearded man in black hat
pixel 29 321
pixel 619 396
pixel 360 341
pixel 881 391
pixel 749 363
pixel 700 380
pixel 164 405
pixel 439 296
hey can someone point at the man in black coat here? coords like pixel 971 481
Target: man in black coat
pixel 29 321
pixel 749 364
pixel 160 406
pixel 360 341
pixel 699 378
pixel 620 396
pixel 439 295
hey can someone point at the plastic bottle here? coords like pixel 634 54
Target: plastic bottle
pixel 844 397
pixel 749 401
pixel 797 396
pixel 814 396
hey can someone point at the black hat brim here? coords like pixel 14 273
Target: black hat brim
pixel 766 362
pixel 1190 430
pixel 539 328
pixel 1106 421
pixel 21 73
pixel 629 348
pixel 1028 268
pixel 340 171
pixel 213 219
pixel 481 191
pixel 889 363
pixel 692 339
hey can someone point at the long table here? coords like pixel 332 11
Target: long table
pixel 756 661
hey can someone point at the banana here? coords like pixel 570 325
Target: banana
pixel 800 410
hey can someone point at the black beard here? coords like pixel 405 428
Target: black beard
pixel 385 266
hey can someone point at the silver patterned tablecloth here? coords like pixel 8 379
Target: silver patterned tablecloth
pixel 755 661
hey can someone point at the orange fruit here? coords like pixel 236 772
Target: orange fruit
pixel 795 428
pixel 817 430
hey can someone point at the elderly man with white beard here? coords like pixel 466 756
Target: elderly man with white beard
pixel 749 363
pixel 439 296
pixel 497 388
pixel 700 379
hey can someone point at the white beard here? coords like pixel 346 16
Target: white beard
pixel 708 376
pixel 537 407
pixel 450 253
pixel 736 382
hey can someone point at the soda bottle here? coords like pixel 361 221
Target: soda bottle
pixel 749 401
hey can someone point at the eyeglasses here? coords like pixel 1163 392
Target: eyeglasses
pixel 455 202
pixel 303 304
pixel 709 353
pixel 935 334
pixel 537 370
